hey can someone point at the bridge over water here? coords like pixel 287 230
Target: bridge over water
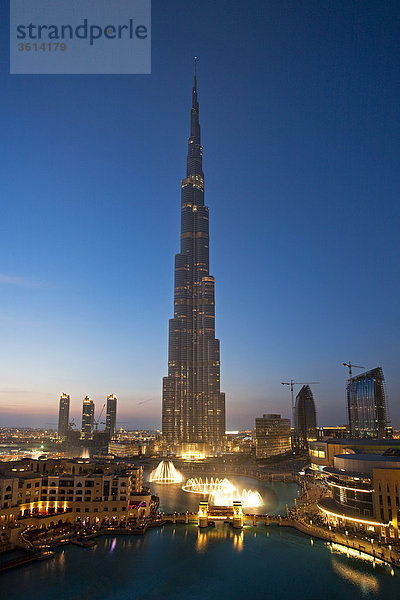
pixel 232 514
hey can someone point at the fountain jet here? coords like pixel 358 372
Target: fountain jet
pixel 222 492
pixel 166 473
pixel 199 486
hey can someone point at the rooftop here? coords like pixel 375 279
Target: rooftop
pixel 361 442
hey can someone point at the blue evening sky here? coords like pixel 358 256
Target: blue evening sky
pixel 299 108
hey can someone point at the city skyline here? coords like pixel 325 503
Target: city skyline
pixel 301 175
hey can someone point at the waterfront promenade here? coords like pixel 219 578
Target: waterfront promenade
pixel 302 517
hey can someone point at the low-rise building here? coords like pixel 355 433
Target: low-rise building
pixel 365 494
pixel 45 492
pixel 124 449
pixel 322 453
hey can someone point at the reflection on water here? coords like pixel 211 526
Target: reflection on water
pixel 367 583
pixel 220 533
pixel 180 562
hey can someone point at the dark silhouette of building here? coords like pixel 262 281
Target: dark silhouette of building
pixel 305 418
pixel 63 416
pixel 111 415
pixel 366 403
pixel 87 419
pixel 193 409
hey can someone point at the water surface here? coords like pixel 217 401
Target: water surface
pixel 184 563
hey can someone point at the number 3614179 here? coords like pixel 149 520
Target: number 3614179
pixel 43 47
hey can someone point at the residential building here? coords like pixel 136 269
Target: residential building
pixel 42 493
pixel 111 416
pixel 87 419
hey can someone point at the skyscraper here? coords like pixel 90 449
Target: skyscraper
pixel 193 408
pixel 366 404
pixel 305 418
pixel 111 415
pixel 87 419
pixel 63 416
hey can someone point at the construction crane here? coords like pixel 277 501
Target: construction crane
pixel 293 383
pixel 96 422
pixel 351 366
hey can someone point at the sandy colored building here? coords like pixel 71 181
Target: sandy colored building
pixel 44 493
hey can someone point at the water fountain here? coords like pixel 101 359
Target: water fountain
pixel 249 498
pixel 222 492
pixel 199 486
pixel 166 473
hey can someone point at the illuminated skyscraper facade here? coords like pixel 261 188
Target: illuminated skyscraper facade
pixel 193 408
pixel 111 415
pixel 366 403
pixel 87 419
pixel 63 416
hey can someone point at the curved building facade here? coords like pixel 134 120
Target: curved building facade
pixel 365 493
pixel 366 403
pixel 305 417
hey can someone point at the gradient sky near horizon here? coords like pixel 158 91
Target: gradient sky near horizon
pixel 299 108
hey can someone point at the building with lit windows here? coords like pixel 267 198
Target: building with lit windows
pixel 46 492
pixel 305 417
pixel 63 416
pixel 322 453
pixel 87 419
pixel 111 416
pixel 124 449
pixel 193 407
pixel 332 431
pixel 366 404
pixel 272 436
pixel 365 494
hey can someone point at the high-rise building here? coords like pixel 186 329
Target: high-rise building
pixel 111 415
pixel 366 404
pixel 305 418
pixel 272 436
pixel 193 408
pixel 63 416
pixel 87 419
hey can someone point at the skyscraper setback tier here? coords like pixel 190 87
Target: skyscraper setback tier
pixel 193 409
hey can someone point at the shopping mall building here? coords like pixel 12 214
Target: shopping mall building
pixel 363 477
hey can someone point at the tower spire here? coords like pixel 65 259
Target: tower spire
pixel 194 158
